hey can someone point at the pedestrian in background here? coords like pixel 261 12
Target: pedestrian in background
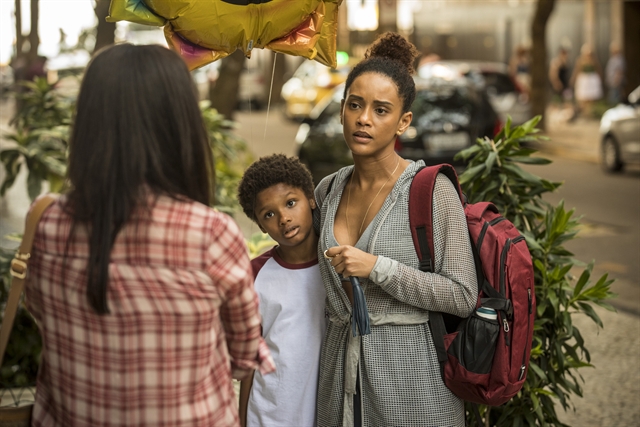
pixel 520 69
pixel 559 75
pixel 391 376
pixel 143 294
pixel 586 79
pixel 614 74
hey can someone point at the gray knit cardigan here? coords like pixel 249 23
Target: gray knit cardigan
pixel 397 364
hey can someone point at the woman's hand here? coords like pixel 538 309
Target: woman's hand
pixel 350 261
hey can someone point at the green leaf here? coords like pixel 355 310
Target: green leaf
pixel 469 174
pixel 539 372
pixel 488 164
pixel 584 278
pixel 589 311
pixel 530 160
pixel 34 184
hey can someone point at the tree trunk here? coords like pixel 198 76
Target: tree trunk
pixel 19 35
pixel 539 58
pixel 106 31
pixel 224 92
pixel 34 37
pixel 631 46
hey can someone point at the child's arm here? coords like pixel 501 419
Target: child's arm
pixel 245 390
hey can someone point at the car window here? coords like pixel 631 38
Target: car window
pixel 446 98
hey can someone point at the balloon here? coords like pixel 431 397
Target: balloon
pixel 203 31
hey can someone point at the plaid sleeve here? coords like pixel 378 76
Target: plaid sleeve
pixel 230 268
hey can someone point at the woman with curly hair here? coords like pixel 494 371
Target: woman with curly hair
pixel 390 376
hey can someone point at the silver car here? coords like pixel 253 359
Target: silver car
pixel 620 133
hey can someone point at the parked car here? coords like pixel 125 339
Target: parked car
pixel 506 98
pixel 448 116
pixel 620 134
pixel 310 84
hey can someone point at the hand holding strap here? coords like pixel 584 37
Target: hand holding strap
pixel 19 268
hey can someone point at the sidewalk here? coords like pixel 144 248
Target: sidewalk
pixel 577 140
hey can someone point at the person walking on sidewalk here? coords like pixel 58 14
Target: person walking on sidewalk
pixel 391 376
pixel 142 293
pixel 614 74
pixel 587 80
pixel 559 75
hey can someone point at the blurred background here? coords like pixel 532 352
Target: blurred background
pixel 575 62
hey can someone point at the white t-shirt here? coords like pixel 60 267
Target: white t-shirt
pixel 292 306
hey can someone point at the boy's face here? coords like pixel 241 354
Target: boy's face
pixel 284 212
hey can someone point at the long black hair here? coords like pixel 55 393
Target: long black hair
pixel 137 129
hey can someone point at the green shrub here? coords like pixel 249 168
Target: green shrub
pixel 558 350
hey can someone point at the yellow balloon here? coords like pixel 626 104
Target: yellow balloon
pixel 203 31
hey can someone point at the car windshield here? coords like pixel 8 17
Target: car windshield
pixel 450 98
pixel 444 103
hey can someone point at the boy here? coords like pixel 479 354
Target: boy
pixel 276 192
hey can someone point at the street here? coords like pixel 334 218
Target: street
pixel 610 227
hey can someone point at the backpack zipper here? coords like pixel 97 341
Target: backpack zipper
pixel 503 260
pixel 485 226
pixel 523 368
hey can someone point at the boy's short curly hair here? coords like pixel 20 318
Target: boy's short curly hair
pixel 269 171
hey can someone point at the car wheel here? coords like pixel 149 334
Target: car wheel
pixel 611 155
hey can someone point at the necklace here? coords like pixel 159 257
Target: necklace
pixel 346 211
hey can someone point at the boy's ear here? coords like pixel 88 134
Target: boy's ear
pixel 312 203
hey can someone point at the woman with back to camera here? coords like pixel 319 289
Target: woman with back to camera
pixel 143 294
pixel 391 376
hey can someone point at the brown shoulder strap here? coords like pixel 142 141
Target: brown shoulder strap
pixel 19 268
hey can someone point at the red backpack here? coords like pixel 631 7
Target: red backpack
pixel 483 358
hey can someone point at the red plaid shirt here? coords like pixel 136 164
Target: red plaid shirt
pixel 183 315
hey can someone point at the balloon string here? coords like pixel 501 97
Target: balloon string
pixel 273 72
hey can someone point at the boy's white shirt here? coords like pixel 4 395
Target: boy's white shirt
pixel 292 306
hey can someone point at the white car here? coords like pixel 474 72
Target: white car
pixel 620 134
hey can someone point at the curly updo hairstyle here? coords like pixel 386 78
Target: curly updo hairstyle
pixel 269 171
pixel 393 56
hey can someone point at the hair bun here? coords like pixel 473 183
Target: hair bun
pixel 393 46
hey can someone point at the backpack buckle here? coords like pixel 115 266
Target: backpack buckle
pixel 18 267
pixel 425 265
pixel 509 309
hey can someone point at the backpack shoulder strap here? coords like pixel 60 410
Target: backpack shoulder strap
pixel 19 268
pixel 421 222
pixel 421 210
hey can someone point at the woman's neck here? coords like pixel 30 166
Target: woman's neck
pixel 370 171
